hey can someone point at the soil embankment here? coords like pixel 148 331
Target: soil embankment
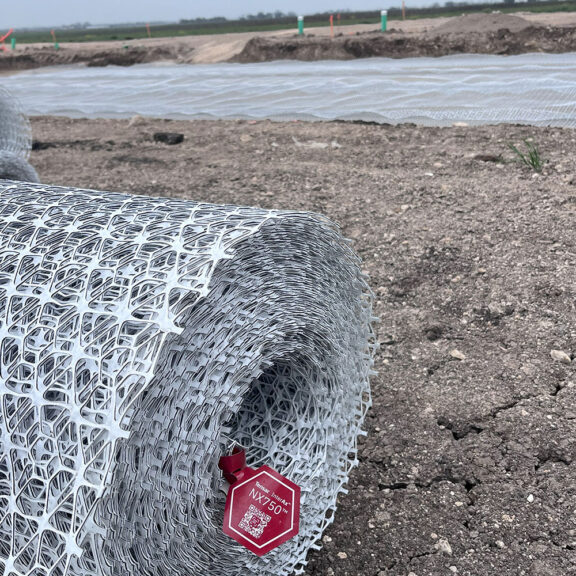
pixel 38 57
pixel 474 34
pixel 505 42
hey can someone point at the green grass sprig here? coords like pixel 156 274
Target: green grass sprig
pixel 531 158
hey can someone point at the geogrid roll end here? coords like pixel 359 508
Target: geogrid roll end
pixel 138 337
pixel 15 131
pixel 15 141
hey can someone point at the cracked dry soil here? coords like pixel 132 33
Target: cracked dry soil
pixel 467 467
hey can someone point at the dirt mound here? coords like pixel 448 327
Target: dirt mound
pixel 39 57
pixel 482 23
pixel 128 57
pixel 503 41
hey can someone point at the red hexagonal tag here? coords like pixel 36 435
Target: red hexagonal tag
pixel 262 509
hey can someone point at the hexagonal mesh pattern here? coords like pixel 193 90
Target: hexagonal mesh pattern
pixel 138 336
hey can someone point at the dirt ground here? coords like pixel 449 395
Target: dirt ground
pixel 475 33
pixel 467 467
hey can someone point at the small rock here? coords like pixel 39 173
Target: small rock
pixel 433 333
pixel 135 120
pixel 342 555
pixel 443 546
pixel 169 138
pixel 312 145
pixel 560 356
pixel 540 568
pixel 530 498
pixel 460 124
pixel 488 158
pixel 383 516
pixel 453 569
pixel 457 354
pixel 326 539
pixel 499 543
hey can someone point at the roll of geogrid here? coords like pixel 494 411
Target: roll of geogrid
pixel 15 140
pixel 138 337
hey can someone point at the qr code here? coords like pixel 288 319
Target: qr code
pixel 254 521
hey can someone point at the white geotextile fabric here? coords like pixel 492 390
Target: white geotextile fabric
pixel 138 337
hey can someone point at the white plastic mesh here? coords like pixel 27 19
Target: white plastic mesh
pixel 137 337
pixel 15 141
pixel 15 131
pixel 14 167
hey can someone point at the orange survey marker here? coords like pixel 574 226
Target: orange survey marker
pixel 2 38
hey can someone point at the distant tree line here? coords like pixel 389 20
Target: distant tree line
pixel 277 15
pixel 280 17
pixel 202 21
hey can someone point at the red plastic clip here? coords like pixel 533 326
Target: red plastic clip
pixel 233 464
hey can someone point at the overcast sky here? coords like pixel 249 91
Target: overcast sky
pixel 33 13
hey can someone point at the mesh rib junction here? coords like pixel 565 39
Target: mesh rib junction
pixel 138 336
